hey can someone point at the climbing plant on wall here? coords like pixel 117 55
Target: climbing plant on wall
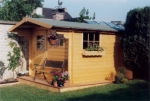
pixel 14 56
pixel 24 46
pixel 2 69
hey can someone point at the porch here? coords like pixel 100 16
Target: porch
pixel 46 84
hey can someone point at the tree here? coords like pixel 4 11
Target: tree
pixel 93 18
pixel 15 10
pixel 136 41
pixel 84 14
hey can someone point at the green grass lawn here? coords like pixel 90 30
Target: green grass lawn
pixel 136 90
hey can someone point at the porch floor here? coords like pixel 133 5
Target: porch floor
pixel 45 84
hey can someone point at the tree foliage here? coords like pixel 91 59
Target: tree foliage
pixel 15 10
pixel 136 39
pixel 94 15
pixel 2 69
pixel 84 14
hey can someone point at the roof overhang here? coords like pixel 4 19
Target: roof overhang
pixel 30 20
pixel 79 29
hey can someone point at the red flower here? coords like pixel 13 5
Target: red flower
pixel 58 76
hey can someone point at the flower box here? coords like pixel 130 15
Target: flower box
pixel 93 53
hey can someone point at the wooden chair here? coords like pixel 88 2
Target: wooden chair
pixel 48 63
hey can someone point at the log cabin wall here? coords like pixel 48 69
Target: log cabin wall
pixel 82 70
pixel 86 70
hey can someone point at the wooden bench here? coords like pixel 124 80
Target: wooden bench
pixel 48 63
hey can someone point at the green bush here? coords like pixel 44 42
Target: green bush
pixel 136 40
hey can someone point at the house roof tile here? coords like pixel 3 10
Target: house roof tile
pixel 48 13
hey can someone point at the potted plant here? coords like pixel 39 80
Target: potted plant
pixel 124 80
pixel 118 77
pixel 93 49
pixel 119 74
pixel 128 74
pixel 59 78
pixel 52 38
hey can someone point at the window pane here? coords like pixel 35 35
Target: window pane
pixel 40 42
pixel 96 43
pixel 60 40
pixel 96 37
pixel 85 36
pixel 85 45
pixel 91 37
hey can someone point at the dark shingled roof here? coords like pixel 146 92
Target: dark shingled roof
pixel 48 13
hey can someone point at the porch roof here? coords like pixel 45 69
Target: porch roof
pixel 49 23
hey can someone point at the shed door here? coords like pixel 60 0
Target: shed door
pixel 39 47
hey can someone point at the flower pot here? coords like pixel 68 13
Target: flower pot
pixel 67 83
pixel 55 84
pixel 60 83
pixel 124 80
pixel 117 80
pixel 128 74
pixel 53 42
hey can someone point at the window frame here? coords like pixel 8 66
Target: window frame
pixel 40 42
pixel 88 41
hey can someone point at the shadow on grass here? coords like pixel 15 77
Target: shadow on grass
pixel 134 91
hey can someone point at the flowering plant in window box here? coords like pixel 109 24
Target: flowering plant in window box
pixel 60 78
pixel 94 47
pixel 93 50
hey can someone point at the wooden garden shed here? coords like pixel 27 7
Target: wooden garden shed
pixel 73 39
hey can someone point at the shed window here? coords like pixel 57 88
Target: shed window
pixel 60 40
pixel 90 38
pixel 40 42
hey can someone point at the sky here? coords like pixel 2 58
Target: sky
pixel 105 10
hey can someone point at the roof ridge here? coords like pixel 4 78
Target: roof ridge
pixel 49 8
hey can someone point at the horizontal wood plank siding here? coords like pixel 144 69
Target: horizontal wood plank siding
pixel 94 69
pixel 82 70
